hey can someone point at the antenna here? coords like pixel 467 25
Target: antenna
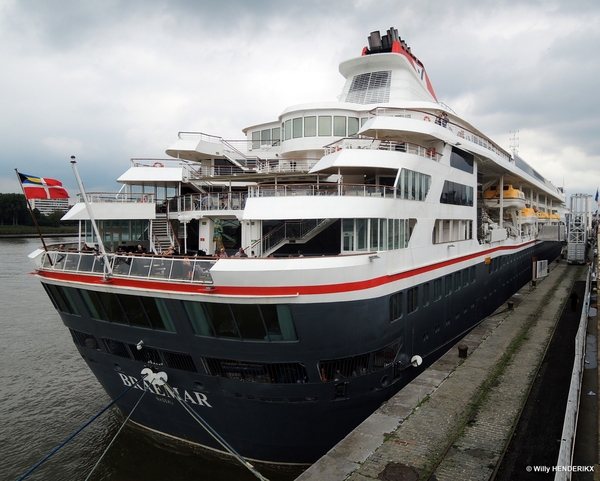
pixel 514 146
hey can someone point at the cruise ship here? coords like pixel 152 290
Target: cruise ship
pixel 285 285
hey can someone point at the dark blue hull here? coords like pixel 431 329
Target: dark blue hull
pixel 291 402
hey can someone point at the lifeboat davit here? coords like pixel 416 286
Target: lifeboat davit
pixel 511 198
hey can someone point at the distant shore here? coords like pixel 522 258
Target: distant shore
pixel 16 231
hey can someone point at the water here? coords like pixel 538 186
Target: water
pixel 47 393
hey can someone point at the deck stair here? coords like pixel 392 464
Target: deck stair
pixel 162 235
pixel 290 232
pixel 238 158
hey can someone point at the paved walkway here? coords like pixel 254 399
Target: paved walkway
pixel 457 429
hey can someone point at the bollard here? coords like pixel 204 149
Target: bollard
pixel 511 305
pixel 462 350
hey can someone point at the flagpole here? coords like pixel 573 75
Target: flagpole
pixel 33 216
pixel 91 214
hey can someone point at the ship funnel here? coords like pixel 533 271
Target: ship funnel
pixel 375 41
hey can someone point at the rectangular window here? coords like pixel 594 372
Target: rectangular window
pixel 396 306
pixel 288 129
pixel 265 137
pixel 198 318
pixel 383 234
pixel 136 315
pixel 158 313
pixel 461 160
pixel 253 322
pixel 437 289
pixel 448 285
pixel 222 320
pixel 276 136
pixel 353 126
pixel 325 126
pixel 339 126
pixel 456 194
pixel 249 321
pixel 374 234
pixel 62 298
pixel 425 296
pixel 361 234
pixel 348 234
pixel 256 140
pixel 412 300
pixel 310 126
pixel 457 280
pixel 297 128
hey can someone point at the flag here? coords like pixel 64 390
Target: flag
pixel 596 195
pixel 42 188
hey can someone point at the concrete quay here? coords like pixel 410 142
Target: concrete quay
pixel 456 419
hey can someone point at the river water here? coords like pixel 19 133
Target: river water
pixel 47 393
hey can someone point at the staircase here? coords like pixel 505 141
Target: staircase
pixel 161 235
pixel 298 232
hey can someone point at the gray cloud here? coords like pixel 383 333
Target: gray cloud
pixel 111 80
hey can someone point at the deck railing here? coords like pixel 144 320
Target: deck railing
pixel 179 269
pixel 220 201
pixel 208 202
pixel 376 144
pixel 291 190
pixel 460 131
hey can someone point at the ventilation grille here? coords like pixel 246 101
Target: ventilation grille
pixel 370 88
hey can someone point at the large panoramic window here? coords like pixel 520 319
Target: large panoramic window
pixel 412 185
pixel 375 234
pixel 62 298
pixel 457 194
pixel 138 311
pixel 452 230
pixel 247 322
pixel 461 160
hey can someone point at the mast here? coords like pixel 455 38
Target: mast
pixel 107 266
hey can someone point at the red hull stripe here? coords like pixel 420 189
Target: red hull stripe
pixel 264 291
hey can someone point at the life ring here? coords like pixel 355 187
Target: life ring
pixel 157 164
pixel 426 119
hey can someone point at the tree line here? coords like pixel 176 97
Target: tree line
pixel 14 211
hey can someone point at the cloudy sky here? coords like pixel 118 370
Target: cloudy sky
pixel 108 80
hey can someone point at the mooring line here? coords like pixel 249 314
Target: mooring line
pixel 213 433
pixel 61 445
pixel 115 436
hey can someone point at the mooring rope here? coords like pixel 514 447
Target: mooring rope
pixel 115 436
pixel 213 433
pixel 61 445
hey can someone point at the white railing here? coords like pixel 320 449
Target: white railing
pixel 388 145
pixel 565 453
pixel 291 190
pixel 208 202
pixel 460 131
pixel 180 269
pixel 109 197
